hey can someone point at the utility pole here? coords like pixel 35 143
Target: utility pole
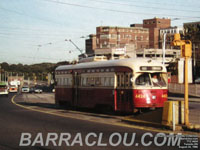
pixel 0 73
pixel 186 52
pixel 163 48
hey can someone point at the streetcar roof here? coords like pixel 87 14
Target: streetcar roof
pixel 133 63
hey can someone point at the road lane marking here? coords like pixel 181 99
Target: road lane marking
pixel 108 123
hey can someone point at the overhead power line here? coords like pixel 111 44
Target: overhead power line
pixel 142 6
pixel 30 16
pixel 162 3
pixel 119 11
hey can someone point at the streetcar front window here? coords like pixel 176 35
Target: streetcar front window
pixel 151 79
pixel 143 79
pixel 158 79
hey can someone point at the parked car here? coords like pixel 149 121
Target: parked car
pixel 3 89
pixel 13 88
pixel 38 90
pixel 197 81
pixel 25 89
pixel 32 90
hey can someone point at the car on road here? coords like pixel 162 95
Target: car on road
pixel 25 89
pixel 35 90
pixel 13 89
pixel 197 81
pixel 3 89
pixel 38 90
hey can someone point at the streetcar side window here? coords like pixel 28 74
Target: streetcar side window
pixel 84 83
pixel 102 81
pixel 97 81
pixel 60 81
pixel 118 80
pixel 126 80
pixel 106 81
pixel 143 79
pixel 122 80
pixel 112 81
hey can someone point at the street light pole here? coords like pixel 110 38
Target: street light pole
pixel 186 93
pixel 164 39
pixel 186 51
pixel 0 73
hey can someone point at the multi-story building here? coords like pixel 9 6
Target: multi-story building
pixel 154 25
pixel 192 32
pixel 169 36
pixel 90 44
pixel 119 37
pixel 117 41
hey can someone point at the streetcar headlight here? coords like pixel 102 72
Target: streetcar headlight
pixel 148 100
pixel 153 97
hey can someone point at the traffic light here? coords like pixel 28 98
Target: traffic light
pixel 187 49
pixel 185 45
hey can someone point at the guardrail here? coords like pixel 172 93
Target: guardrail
pixel 194 89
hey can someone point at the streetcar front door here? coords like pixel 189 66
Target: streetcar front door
pixel 123 94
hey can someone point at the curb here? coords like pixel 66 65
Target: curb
pixel 191 128
pixel 197 100
pixel 145 123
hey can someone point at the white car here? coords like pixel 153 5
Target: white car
pixel 3 89
pixel 38 91
pixel 25 89
pixel 197 81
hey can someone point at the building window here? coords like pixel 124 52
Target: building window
pixel 112 45
pixel 136 37
pixel 113 36
pixel 105 29
pixel 105 36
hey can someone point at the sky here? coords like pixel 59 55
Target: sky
pixel 36 31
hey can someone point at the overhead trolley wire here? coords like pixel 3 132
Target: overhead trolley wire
pixel 119 11
pixel 141 6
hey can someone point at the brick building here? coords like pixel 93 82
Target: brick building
pixel 119 37
pixel 154 25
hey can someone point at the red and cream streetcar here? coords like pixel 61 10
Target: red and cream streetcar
pixel 123 85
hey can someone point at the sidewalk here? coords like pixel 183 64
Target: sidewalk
pixel 154 119
pixel 182 99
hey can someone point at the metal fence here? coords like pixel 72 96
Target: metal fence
pixel 194 89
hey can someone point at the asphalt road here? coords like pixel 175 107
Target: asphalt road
pixel 15 120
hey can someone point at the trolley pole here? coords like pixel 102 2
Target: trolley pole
pixel 186 52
